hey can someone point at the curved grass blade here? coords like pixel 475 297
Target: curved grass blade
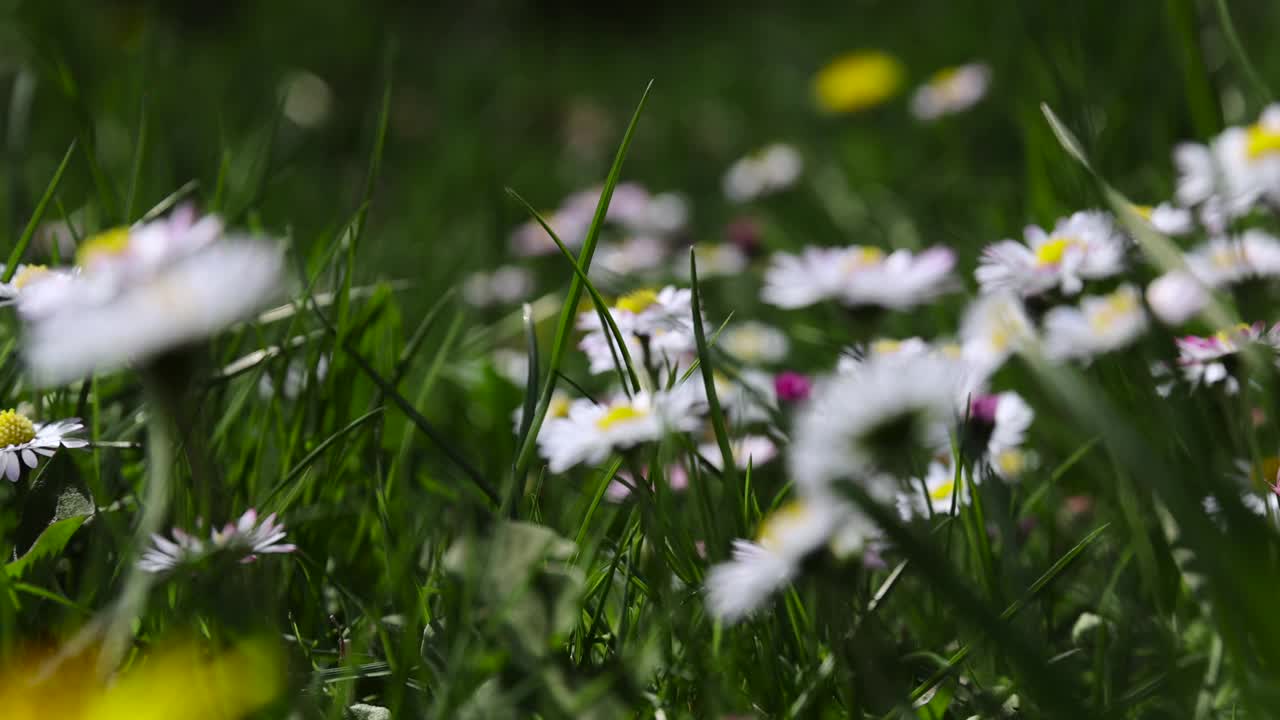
pixel 565 326
pixel 11 265
pixel 729 468
pixel 602 308
pixel 1237 49
pixel 311 457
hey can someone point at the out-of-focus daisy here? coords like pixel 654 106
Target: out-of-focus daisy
pixel 1176 296
pixel 23 276
pixel 296 377
pixel 717 260
pixel 1235 169
pixel 757 570
pixel 1084 246
pixel 951 90
pixel 754 449
pixel 770 169
pixel 634 254
pixel 995 325
pixel 1100 324
pixel 658 323
pixel 995 432
pixel 937 493
pixel 911 347
pixel 857 81
pixel 23 442
pixel 569 223
pixel 1227 260
pixel 142 291
pixel 503 286
pixel 755 343
pixel 242 541
pixel 1210 360
pixel 1168 218
pixel 858 275
pixel 590 432
pixel 872 423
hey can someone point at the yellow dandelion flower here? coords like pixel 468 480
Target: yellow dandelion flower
pixel 857 81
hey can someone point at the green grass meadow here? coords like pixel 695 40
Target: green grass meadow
pixel 442 569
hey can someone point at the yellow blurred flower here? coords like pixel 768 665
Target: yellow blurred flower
pixel 177 682
pixel 857 81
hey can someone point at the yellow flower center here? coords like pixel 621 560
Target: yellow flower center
pixel 776 524
pixel 1117 306
pixel 105 244
pixel 638 301
pixel 943 491
pixel 886 347
pixel 944 77
pixel 559 407
pixel 857 81
pixel 15 428
pixel 619 414
pixel 1144 211
pixel 1261 141
pixel 951 351
pixel 1266 471
pixel 27 274
pixel 1052 251
pixel 860 257
pixel 1011 463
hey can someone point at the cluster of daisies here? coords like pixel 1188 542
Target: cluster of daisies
pixel 912 424
pixel 134 296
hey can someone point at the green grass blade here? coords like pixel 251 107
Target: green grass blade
pixel 1260 89
pixel 565 326
pixel 11 265
pixel 729 468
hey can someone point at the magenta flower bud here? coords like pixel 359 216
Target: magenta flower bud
pixel 983 408
pixel 792 386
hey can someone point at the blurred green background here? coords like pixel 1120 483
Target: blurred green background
pixel 534 95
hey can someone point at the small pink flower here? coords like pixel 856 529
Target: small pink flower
pixel 792 386
pixel 983 408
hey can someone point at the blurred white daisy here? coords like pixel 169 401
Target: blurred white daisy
pixel 858 275
pixel 1081 247
pixel 589 432
pixel 23 442
pixel 242 541
pixel 1100 324
pixel 1176 297
pixel 657 324
pixel 758 569
pixel 1168 219
pixel 296 376
pixel 23 276
pixel 1210 360
pixel 755 450
pixel 142 291
pixel 996 431
pixel 951 90
pixel 768 170
pixel 995 326
pixel 569 223
pixel 1236 169
pixel 634 254
pixel 714 260
pixel 755 343
pixel 505 285
pixel 1224 261
pixel 874 422
pixel 937 493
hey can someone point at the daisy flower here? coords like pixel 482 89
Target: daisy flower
pixel 659 321
pixel 1210 360
pixel 634 254
pixel 755 450
pixel 1229 260
pixel 590 432
pixel 1084 246
pixel 857 81
pixel 858 275
pixel 995 432
pixel 715 260
pixel 872 422
pixel 1100 324
pixel 1176 296
pixel 23 276
pixel 505 285
pixel 23 442
pixel 1235 170
pixel 1168 219
pixel 144 290
pixel 758 569
pixel 242 540
pixel 995 326
pixel 939 494
pixel 755 343
pixel 764 172
pixel 951 90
